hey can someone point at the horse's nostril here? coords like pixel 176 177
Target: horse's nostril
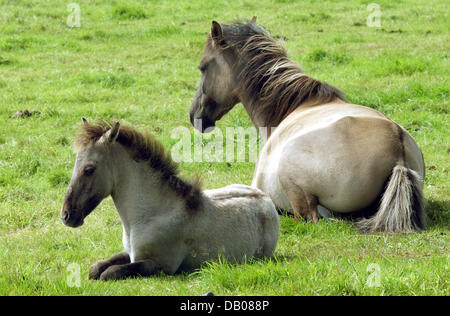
pixel 66 215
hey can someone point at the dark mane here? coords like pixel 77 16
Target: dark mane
pixel 239 32
pixel 268 77
pixel 144 147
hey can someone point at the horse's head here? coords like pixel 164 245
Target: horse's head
pixel 92 178
pixel 216 93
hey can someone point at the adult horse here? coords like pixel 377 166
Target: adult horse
pixel 324 151
pixel 168 224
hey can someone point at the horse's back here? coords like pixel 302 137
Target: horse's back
pixel 340 153
pixel 309 118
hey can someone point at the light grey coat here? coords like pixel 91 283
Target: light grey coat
pixel 160 231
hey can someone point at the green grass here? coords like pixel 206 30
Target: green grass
pixel 137 61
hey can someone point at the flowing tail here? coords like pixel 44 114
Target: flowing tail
pixel 401 209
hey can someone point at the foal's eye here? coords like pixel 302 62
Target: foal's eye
pixel 89 170
pixel 202 67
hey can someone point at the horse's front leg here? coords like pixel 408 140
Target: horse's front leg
pixel 302 203
pixel 99 267
pixel 139 268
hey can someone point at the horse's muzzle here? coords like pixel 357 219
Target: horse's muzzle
pixel 204 124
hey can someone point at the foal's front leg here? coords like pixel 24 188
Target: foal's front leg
pixel 99 267
pixel 139 268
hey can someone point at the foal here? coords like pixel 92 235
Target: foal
pixel 168 224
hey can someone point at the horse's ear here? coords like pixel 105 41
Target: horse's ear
pixel 113 133
pixel 217 34
pixel 84 120
pixel 254 19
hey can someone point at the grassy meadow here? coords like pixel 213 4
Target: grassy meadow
pixel 137 61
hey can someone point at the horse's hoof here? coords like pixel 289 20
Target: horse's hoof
pixel 208 294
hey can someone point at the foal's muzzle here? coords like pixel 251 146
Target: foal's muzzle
pixel 71 219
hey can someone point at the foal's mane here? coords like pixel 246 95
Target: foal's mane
pixel 268 77
pixel 145 147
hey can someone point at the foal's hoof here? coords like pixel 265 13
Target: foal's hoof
pixel 112 273
pixel 96 270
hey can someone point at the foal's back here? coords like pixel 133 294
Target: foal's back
pixel 238 222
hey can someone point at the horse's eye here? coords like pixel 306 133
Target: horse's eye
pixel 89 170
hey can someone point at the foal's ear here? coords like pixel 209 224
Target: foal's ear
pixel 112 134
pixel 84 120
pixel 217 34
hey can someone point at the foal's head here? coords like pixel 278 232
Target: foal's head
pixel 217 93
pixel 92 178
